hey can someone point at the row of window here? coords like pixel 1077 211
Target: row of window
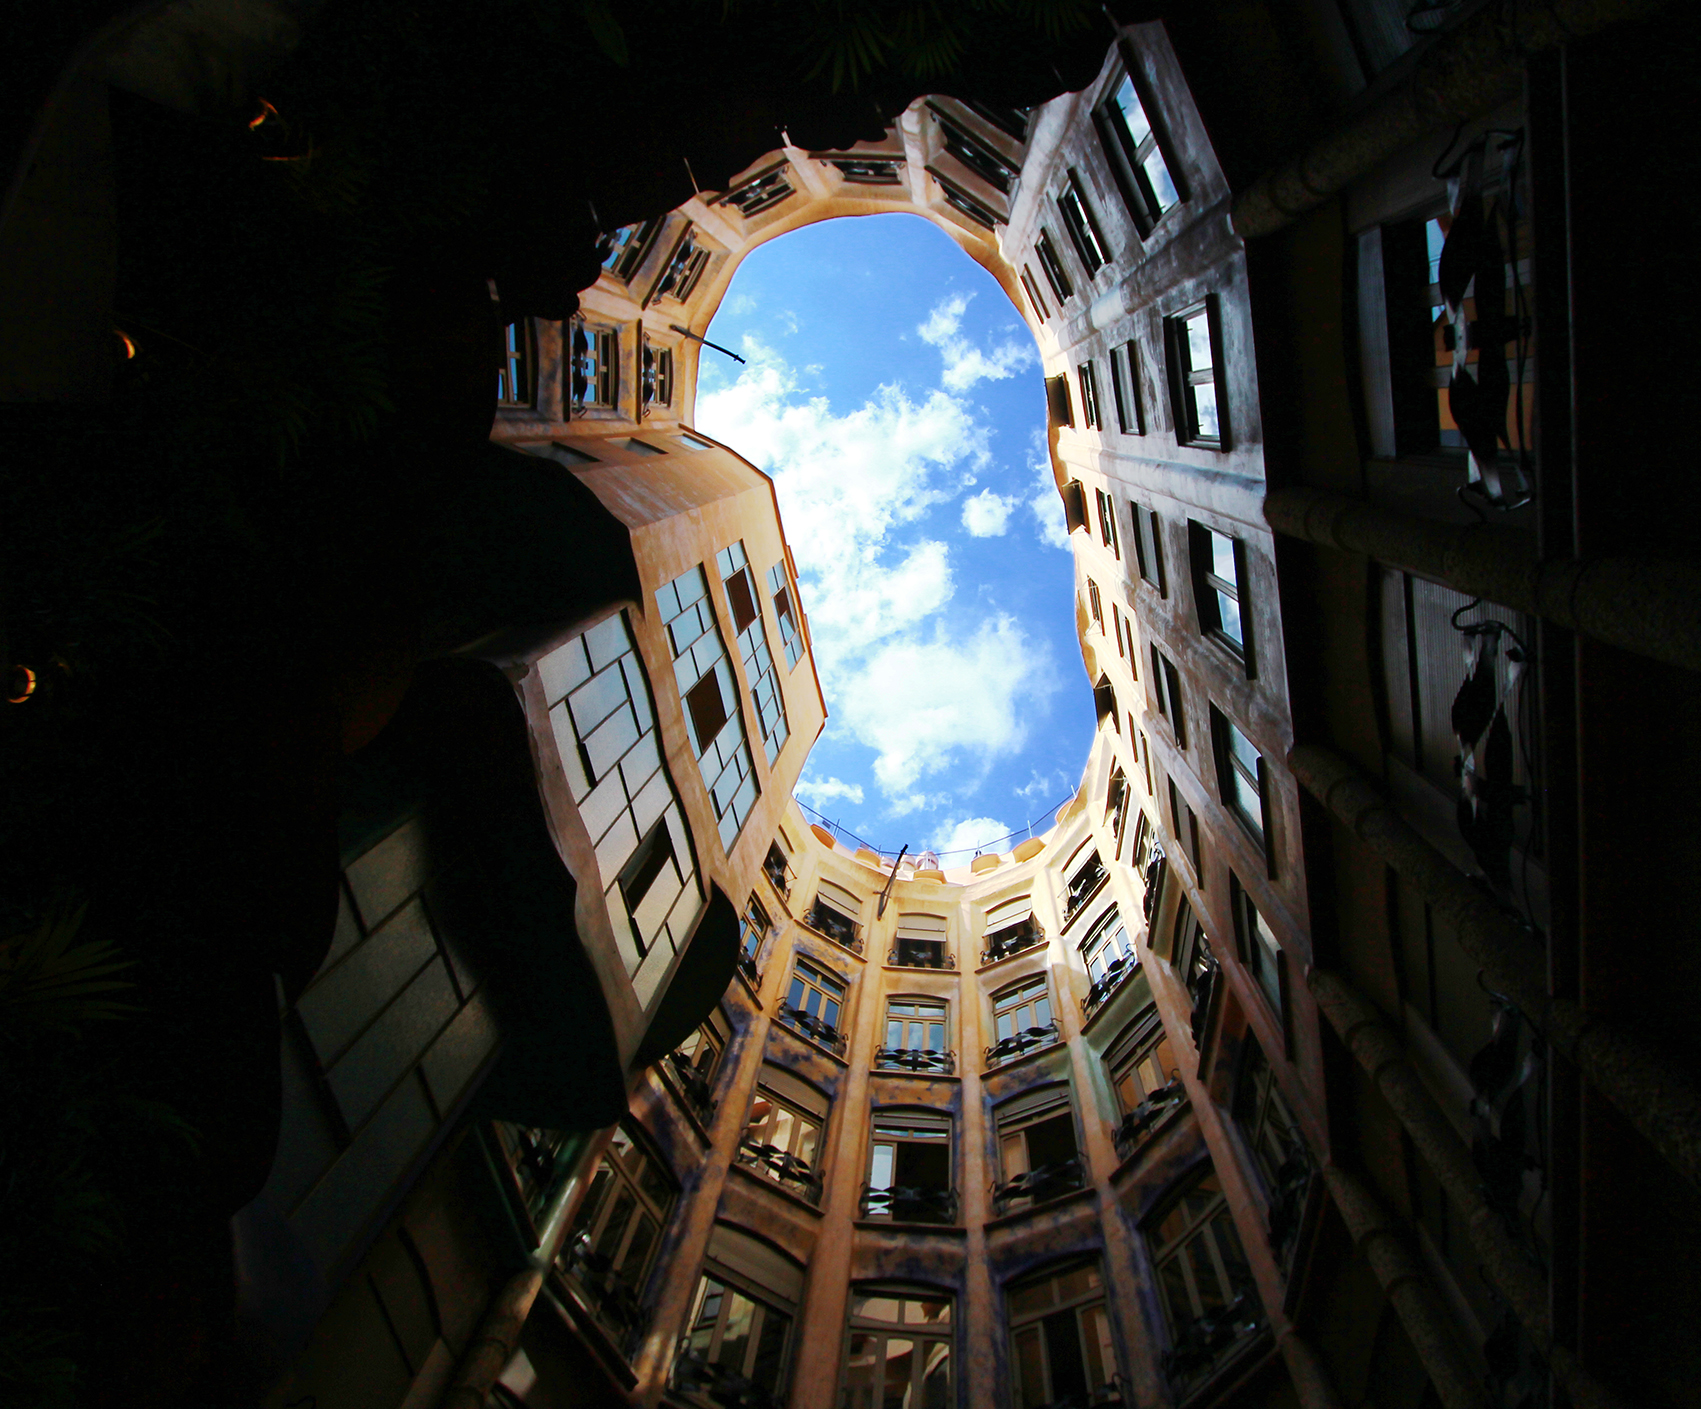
pixel 590 368
pixel 1198 389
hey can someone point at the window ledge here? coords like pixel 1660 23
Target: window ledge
pixel 886 1225
pixel 1149 1139
pixel 839 946
pixel 1010 1064
pixel 779 1025
pixel 774 1187
pixel 1085 1194
pixel 904 1075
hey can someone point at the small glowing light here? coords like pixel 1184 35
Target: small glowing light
pixel 23 680
pixel 266 111
pixel 129 346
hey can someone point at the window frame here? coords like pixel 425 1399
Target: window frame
pixel 767 1303
pixel 1167 695
pixel 1029 991
pixel 881 1333
pixel 1034 1322
pixel 1045 250
pixel 1089 383
pixel 592 385
pixel 1148 546
pixel 1232 770
pixel 1260 953
pixel 1135 1062
pixel 819 980
pixel 1080 224
pixel 1209 1220
pixel 924 1021
pixel 516 373
pixel 1032 291
pixel 1108 534
pixel 1209 587
pixel 918 1125
pixel 1128 155
pixel 1186 379
pixel 1125 388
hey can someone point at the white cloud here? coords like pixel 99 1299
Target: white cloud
pixel 1042 789
pixel 967 836
pixel 966 364
pixel 824 790
pixel 1047 506
pixel 987 515
pixel 738 304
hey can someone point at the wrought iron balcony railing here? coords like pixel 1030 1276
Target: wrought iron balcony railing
pixel 1209 1343
pixel 1116 973
pixel 916 1059
pixel 693 1088
pixel 611 1299
pixel 825 920
pixel 910 1205
pixel 779 878
pixel 747 967
pixel 1027 1039
pixel 1138 1123
pixel 1106 1395
pixel 1083 888
pixel 1287 1205
pixel 922 955
pixel 784 1168
pixel 812 1027
pixel 1049 1181
pixel 1015 940
pixel 694 1373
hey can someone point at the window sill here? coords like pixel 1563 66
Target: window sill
pixel 1085 1194
pixel 774 1187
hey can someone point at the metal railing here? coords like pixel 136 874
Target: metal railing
pixel 1139 1122
pixel 695 1373
pixel 1049 1181
pixel 1083 888
pixel 779 877
pixel 747 967
pixel 692 1086
pixel 830 924
pixel 1015 940
pixel 924 954
pixel 1116 973
pixel 916 1059
pixel 812 1027
pixel 1206 1345
pixel 910 1205
pixel 1028 1039
pixel 611 1299
pixel 791 1171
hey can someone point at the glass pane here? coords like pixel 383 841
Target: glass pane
pixel 877 1308
pixel 1228 1248
pixel 1101 1355
pixel 880 1169
pixel 608 1242
pixel 894 1033
pixel 1228 617
pixel 1206 1282
pixel 812 1002
pixel 1173 1280
pixel 900 1370
pixel 830 1013
pixel 1005 1026
pixel 927 1313
pixel 1163 189
pixel 795 997
pixel 1133 115
pixel 936 1036
pixel 1247 800
pixel 1198 343
pixel 1036 1296
pixel 769 1365
pixel 807 1135
pixel 1078 1282
pixel 1030 1370
pixel 593 1200
pixel 1243 750
pixel 710 1293
pixel 632 1266
pixel 862 1364
pixel 1015 1152
pixel 1042 1012
pixel 735 1340
pixel 936 1384
pixel 1205 410
pixel 785 1127
pixel 1222 556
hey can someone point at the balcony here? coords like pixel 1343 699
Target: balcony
pixel 1211 1343
pixel 1083 887
pixel 1116 973
pixel 923 1059
pixel 603 1290
pixel 907 1205
pixel 692 1088
pixel 1144 1118
pixel 1019 1043
pixel 812 1027
pixel 1003 943
pixel 696 1375
pixel 1037 1186
pixel 793 1174
pixel 841 929
pixel 778 871
pixel 747 967
pixel 921 954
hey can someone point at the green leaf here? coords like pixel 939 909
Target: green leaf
pixel 605 29
pixel 49 980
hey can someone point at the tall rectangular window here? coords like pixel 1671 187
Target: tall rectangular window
pixel 834 914
pixel 1061 1351
pixel 1260 951
pixel 1166 694
pixel 695 1064
pixel 1196 376
pixel 765 697
pixel 710 695
pixel 1078 221
pixel 738 1337
pixel 1148 547
pixel 753 928
pixel 909 1168
pixel 921 942
pixel 605 733
pixel 627 247
pixel 791 634
pixel 1032 291
pixel 1107 522
pixel 1094 605
pixel 1084 883
pixel 1052 267
pixel 898 1349
pixel 1136 156
pixel 1203 1279
pixel 1038 1157
pixel 1125 387
pixel 786 1117
pixel 615 1235
pixel 763 191
pixel 815 1001
pixel 658 375
pixel 516 378
pixel 1021 1019
pixel 1219 576
pixel 683 270
pixel 1240 776
pixel 1107 951
pixel 915 1025
pixel 1142 1062
pixel 593 367
pixel 991 166
pixel 1089 395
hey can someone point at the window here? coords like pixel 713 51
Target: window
pixel 616 1232
pixel 684 268
pixel 1166 694
pixel 627 248
pixel 1260 952
pixel 1142 1063
pixel 1240 776
pixel 869 171
pixel 1202 1276
pixel 605 734
pixel 1089 395
pixel 1219 572
pixel 1104 700
pixel 1195 368
pixel 1060 411
pixel 1083 885
pixel 593 367
pixel 1117 798
pixel 1107 951
pixel 516 380
pixel 1052 267
pixel 1107 522
pixel 777 869
pixel 1136 157
pixel 1060 1340
pixel 1278 1149
pixel 696 1063
pixel 658 375
pixel 765 698
pixel 1011 121
pixel 761 192
pixel 962 202
pixel 921 943
pixel 711 700
pixel 909 1168
pixel 541 1161
pixel 1196 965
pixel 782 1133
pixel 1021 1019
pixel 1083 229
pixel 898 1349
pixel 1125 388
pixel 1038 1157
pixel 1011 928
pixel 814 1002
pixel 913 1025
pixel 1148 547
pixel 989 165
pixel 737 1345
pixel 1032 291
pixel 1094 605
pixel 1116 623
pixel 753 927
pixel 833 914
pixel 791 635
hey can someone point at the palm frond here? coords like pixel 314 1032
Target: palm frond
pixel 47 979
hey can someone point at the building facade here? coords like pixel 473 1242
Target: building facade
pixel 1263 1074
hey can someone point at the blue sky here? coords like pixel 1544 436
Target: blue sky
pixel 896 399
